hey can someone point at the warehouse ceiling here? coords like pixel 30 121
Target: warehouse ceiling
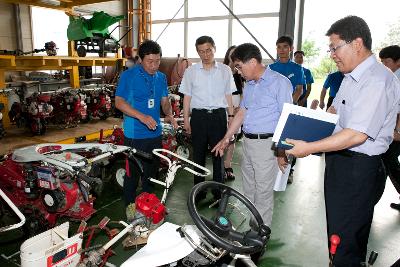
pixel 55 4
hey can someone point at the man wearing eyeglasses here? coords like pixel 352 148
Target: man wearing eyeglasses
pixel 141 91
pixel 263 97
pixel 367 104
pixel 207 103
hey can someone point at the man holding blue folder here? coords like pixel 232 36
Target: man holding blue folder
pixel 263 97
pixel 367 105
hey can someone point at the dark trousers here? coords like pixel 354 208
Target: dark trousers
pixel 150 168
pixel 392 165
pixel 208 128
pixel 353 185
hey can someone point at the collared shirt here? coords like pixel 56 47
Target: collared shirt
pixel 367 102
pixel 397 73
pixel 293 71
pixel 144 93
pixel 333 82
pixel 263 101
pixel 208 88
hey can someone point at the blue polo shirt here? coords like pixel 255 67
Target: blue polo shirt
pixel 291 70
pixel 333 81
pixel 308 79
pixel 137 88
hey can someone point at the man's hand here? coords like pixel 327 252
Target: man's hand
pixel 331 109
pixel 282 162
pixel 186 126
pixel 220 147
pixel 301 102
pixel 321 104
pixel 171 119
pixel 396 136
pixel 299 150
pixel 148 121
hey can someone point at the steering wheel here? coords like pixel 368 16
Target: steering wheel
pixel 220 230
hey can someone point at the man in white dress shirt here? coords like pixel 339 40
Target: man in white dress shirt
pixel 207 88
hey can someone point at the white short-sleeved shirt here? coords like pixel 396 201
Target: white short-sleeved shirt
pixel 367 102
pixel 208 88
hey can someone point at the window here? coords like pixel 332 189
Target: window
pixel 210 17
pixel 264 29
pixel 207 8
pixel 211 28
pixel 171 41
pixel 162 9
pixel 55 31
pixel 255 6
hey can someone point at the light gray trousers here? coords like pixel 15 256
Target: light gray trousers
pixel 259 169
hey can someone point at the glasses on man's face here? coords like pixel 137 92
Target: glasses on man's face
pixel 333 49
pixel 239 67
pixel 204 52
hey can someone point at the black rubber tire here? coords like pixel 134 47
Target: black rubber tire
pixel 81 51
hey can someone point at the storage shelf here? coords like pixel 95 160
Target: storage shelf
pixel 21 63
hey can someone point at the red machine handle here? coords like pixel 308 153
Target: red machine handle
pixel 335 240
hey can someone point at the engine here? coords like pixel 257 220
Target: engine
pixel 49 191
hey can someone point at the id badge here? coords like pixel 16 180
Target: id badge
pixel 151 103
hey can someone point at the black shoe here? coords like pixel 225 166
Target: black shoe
pixel 395 206
pixel 229 176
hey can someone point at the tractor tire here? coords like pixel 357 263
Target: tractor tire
pixel 81 50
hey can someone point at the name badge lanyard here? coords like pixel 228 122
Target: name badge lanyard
pixel 150 87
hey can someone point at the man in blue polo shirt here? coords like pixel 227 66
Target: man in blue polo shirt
pixel 141 91
pixel 285 66
pixel 333 81
pixel 308 78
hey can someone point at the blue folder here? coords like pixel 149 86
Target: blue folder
pixel 304 128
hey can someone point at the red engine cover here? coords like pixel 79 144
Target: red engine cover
pixel 150 206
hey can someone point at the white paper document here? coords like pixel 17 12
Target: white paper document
pixel 282 178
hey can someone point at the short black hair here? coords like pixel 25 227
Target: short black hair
pixel 285 39
pixel 299 52
pixel 149 47
pixel 351 27
pixel 392 51
pixel 226 58
pixel 203 40
pixel 246 52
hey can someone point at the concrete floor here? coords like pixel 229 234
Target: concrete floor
pixel 20 137
pixel 298 230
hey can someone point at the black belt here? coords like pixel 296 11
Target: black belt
pixel 350 153
pixel 258 136
pixel 210 111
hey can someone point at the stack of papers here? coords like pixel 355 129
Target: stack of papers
pixel 302 123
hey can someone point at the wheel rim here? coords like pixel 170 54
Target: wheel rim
pixel 120 176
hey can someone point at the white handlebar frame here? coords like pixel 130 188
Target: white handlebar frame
pixel 16 210
pixel 158 152
pixel 173 167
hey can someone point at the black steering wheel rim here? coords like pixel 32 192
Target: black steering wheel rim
pixel 259 238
